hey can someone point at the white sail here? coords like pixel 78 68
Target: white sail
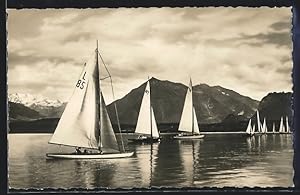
pixel 146 120
pixel 78 125
pixel 273 129
pixel 264 127
pixel 287 124
pixel 249 129
pixel 281 127
pixel 253 129
pixel 258 122
pixel 155 132
pixel 196 126
pixel 186 122
pixel 108 142
pixel 85 121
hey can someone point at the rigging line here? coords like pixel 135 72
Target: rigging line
pixel 105 78
pixel 115 104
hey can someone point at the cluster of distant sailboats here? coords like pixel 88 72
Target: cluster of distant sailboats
pixel 263 129
pixel 85 123
pixel 147 126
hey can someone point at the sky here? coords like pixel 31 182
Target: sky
pixel 244 49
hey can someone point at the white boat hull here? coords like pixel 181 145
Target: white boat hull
pixel 189 137
pixel 89 156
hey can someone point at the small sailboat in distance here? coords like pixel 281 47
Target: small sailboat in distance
pixel 146 125
pixel 249 131
pixel 281 126
pixel 273 128
pixel 85 122
pixel 188 122
pixel 253 129
pixel 264 127
pixel 288 129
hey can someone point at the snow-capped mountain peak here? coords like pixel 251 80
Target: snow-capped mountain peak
pixel 33 100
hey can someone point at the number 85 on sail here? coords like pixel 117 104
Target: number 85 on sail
pixel 81 82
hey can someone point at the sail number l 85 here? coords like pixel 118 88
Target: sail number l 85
pixel 81 82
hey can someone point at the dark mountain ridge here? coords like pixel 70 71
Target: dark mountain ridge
pixel 211 104
pixel 217 109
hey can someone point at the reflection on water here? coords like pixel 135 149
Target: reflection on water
pixel 216 160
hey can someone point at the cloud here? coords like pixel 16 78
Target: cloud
pixel 16 59
pixel 78 36
pixel 281 25
pixel 279 39
pixel 284 70
pixel 238 48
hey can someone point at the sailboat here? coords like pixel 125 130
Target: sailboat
pixel 281 127
pixel 264 127
pixel 249 130
pixel 188 122
pixel 85 122
pixel 273 128
pixel 253 129
pixel 146 125
pixel 288 129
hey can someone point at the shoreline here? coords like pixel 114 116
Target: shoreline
pixel 175 133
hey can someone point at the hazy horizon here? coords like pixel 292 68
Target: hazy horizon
pixel 135 87
pixel 250 56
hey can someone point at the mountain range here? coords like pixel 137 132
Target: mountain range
pixel 213 105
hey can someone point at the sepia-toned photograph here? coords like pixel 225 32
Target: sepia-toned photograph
pixel 150 98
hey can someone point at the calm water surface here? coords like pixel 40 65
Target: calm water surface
pixel 215 161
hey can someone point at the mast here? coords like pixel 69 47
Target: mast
pixel 191 85
pixel 150 109
pixel 98 94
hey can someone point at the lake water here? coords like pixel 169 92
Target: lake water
pixel 215 161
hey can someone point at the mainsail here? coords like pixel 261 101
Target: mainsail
pixel 188 121
pixel 85 121
pixel 146 123
pixel 273 129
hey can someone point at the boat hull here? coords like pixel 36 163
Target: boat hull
pixel 146 140
pixel 249 135
pixel 185 137
pixel 89 156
